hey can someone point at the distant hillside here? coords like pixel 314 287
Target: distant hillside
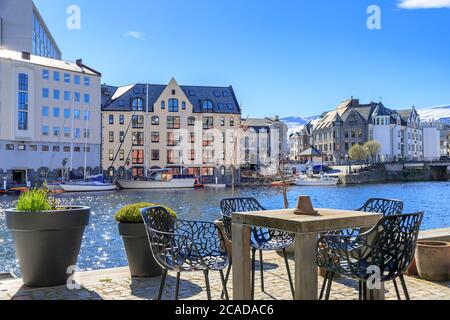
pixel 297 123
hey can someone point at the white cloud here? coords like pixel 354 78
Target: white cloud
pixel 135 35
pixel 424 4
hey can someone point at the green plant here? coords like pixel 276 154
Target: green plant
pixel 131 213
pixel 36 200
pixel 358 152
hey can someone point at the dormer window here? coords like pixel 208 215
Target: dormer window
pixel 207 106
pixel 137 104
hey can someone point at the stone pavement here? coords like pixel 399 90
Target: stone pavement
pixel 116 284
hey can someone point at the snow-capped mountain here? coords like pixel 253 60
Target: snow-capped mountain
pixel 440 113
pixel 296 124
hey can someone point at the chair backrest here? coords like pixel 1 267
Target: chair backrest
pixel 230 205
pixel 160 225
pixel 385 206
pixel 393 243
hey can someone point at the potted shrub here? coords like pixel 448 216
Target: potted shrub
pixel 47 237
pixel 132 230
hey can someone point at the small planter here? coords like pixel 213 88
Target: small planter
pixel 433 260
pixel 137 248
pixel 47 243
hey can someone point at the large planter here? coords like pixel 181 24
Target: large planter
pixel 137 248
pixel 47 243
pixel 433 260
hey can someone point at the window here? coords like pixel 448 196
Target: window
pixel 173 156
pixel 111 136
pixel 208 123
pixel 191 137
pixel 66 95
pixel 121 119
pixel 122 136
pixel 45 148
pixel 45 130
pixel 33 147
pixel 225 93
pixel 183 105
pixel 173 122
pixel 207 106
pixel 87 81
pixel 138 157
pixel 56 131
pixel 155 120
pixel 137 104
pixel 87 98
pixel 222 122
pixel 66 78
pixel 231 122
pixel 77 133
pixel 66 113
pixel 23 102
pixel 45 74
pixel 191 154
pixel 173 105
pixel 77 149
pixel 86 115
pixel 45 111
pixel 66 149
pixel 191 121
pixel 111 154
pixel 76 96
pixel 163 104
pixel 155 137
pixel 56 112
pixel 67 132
pixel 56 148
pixel 76 79
pixel 138 139
pixel 45 93
pixel 121 154
pixel 9 147
pixel 216 94
pixel 208 139
pixel 76 114
pixel 155 155
pixel 208 156
pixel 111 119
pixel 56 76
pixel 56 94
pixel 138 122
pixel 173 139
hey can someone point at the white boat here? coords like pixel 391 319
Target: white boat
pixel 87 186
pixel 322 180
pixel 158 179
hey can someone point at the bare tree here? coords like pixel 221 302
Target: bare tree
pixel 373 148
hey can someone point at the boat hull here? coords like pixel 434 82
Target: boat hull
pixel 309 183
pixel 87 188
pixel 173 184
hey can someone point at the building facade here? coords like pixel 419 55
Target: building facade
pixel 23 29
pixel 300 141
pixel 189 129
pixel 50 111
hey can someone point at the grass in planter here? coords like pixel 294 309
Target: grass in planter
pixel 131 213
pixel 35 200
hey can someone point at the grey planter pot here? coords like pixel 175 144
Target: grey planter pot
pixel 47 243
pixel 137 248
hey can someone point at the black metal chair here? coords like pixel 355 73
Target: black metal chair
pixel 385 206
pixel 261 240
pixel 181 246
pixel 389 246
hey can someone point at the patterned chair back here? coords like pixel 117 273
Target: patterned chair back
pixel 387 207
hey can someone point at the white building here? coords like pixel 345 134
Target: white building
pixel 431 143
pixel 49 111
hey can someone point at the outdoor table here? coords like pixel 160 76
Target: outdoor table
pixel 306 229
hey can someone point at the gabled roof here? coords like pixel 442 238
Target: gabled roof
pixel 118 98
pixel 311 152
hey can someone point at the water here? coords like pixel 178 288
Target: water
pixel 103 248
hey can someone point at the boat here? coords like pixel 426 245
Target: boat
pixel 92 184
pixel 159 179
pixel 322 180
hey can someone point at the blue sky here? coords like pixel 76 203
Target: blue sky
pixel 291 58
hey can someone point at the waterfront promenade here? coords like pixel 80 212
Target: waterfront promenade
pixel 116 284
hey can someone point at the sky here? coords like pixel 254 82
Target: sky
pixel 286 58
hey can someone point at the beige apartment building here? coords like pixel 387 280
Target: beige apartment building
pixel 189 129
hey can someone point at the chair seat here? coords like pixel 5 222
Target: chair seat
pixel 214 263
pixel 272 244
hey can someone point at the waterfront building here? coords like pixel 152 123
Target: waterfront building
pixel 50 111
pixel 443 132
pixel 189 129
pixel 265 143
pixel 300 141
pixel 413 143
pixel 23 29
pixel 431 143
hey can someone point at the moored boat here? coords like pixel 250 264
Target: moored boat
pixel 322 180
pixel 159 179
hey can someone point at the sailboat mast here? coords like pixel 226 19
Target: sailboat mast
pixel 72 133
pixel 146 138
pixel 86 133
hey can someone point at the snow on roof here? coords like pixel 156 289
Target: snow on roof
pixel 121 91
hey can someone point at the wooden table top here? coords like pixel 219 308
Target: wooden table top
pixel 328 219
